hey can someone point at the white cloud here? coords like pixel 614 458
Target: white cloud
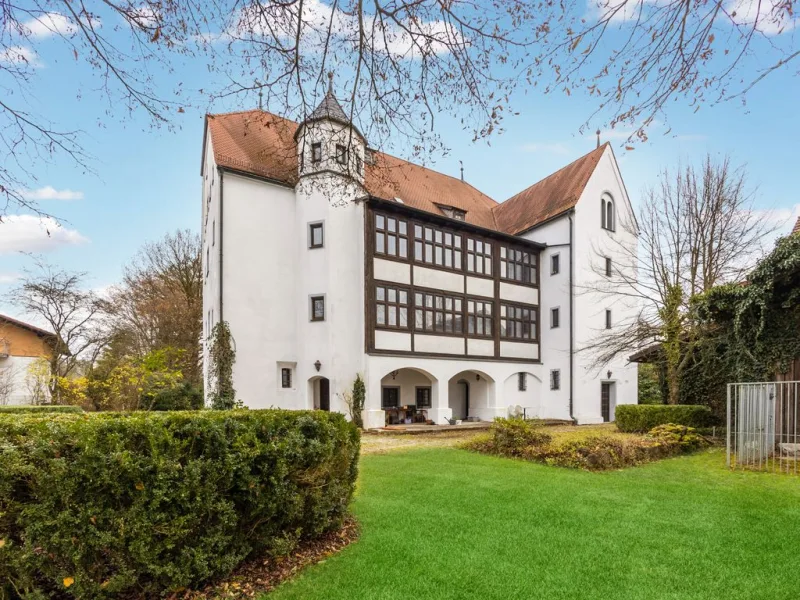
pixel 7 278
pixel 48 192
pixel 770 17
pixel 27 233
pixel 19 55
pixel 554 148
pixel 47 24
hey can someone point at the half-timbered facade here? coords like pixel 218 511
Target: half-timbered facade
pixel 329 259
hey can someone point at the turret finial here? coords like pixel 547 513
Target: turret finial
pixel 330 82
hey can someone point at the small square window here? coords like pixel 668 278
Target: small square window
pixel 317 308
pixel 608 267
pixel 315 235
pixel 522 382
pixel 608 319
pixel 286 378
pixel 555 379
pixel 316 152
pixel 341 154
pixel 555 264
pixel 555 318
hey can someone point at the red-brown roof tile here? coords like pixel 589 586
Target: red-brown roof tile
pixel 796 226
pixel 548 198
pixel 263 144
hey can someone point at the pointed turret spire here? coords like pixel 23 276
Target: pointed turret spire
pixel 330 82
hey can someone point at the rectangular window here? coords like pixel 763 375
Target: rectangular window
pixel 522 382
pixel 390 398
pixel 214 232
pixel 359 164
pixel 555 318
pixel 391 236
pixel 608 267
pixel 317 308
pixel 315 235
pixel 437 247
pixel 555 379
pixel 316 152
pixel 341 154
pixel 479 318
pixel 438 313
pixel 391 307
pixel 479 257
pixel 286 378
pixel 518 265
pixel 208 261
pixel 423 397
pixel 608 319
pixel 518 322
pixel 555 264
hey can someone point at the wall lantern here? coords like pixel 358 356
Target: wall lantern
pixel 394 374
pixel 318 366
pixel 609 373
pixel 477 376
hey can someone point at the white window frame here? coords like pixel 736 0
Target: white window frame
pixel 292 366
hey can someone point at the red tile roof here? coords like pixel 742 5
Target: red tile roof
pixel 796 226
pixel 263 144
pixel 32 328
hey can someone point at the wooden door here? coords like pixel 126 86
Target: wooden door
pixel 605 401
pixel 324 394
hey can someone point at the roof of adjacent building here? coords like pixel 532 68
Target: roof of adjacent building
pixel 32 328
pixel 796 226
pixel 263 144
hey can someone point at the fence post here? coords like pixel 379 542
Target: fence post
pixel 728 430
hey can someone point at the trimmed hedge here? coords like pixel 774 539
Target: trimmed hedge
pixel 641 418
pixel 38 409
pixel 142 504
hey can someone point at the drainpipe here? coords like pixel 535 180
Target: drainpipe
pixel 571 316
pixel 221 245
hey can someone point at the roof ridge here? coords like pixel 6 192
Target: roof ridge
pixel 582 157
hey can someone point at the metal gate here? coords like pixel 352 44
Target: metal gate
pixel 763 426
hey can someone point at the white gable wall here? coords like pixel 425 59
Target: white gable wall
pixel 592 244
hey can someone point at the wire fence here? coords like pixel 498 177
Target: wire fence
pixel 763 426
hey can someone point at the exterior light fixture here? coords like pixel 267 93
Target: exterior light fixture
pixel 394 374
pixel 477 376
pixel 609 373
pixel 318 365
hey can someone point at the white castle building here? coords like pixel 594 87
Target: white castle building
pixel 329 259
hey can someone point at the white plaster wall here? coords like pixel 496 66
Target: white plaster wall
pixel 391 270
pixel 438 280
pixel 518 293
pixel 477 347
pixel 391 340
pixel 519 350
pixel 438 344
pixel 592 244
pixel 477 286
pixel 210 237
pixel 259 280
pixel 554 292
pixel 17 369
pixel 530 399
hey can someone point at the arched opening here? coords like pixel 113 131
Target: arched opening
pixel 522 393
pixel 407 396
pixel 470 395
pixel 319 390
pixel 607 212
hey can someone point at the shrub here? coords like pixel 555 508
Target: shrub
pixel 641 418
pixel 39 409
pixel 182 397
pixel 510 437
pixel 602 452
pixel 686 438
pixel 121 504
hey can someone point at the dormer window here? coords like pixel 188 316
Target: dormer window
pixel 453 213
pixel 316 152
pixel 341 154
pixel 607 212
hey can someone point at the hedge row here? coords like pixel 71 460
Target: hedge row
pixel 39 409
pixel 641 418
pixel 144 504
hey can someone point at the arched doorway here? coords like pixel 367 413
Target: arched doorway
pixel 407 396
pixel 320 393
pixel 470 396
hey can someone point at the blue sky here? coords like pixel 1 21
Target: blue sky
pixel 147 180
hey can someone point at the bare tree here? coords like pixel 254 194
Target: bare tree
pixel 7 378
pixel 60 299
pixel 399 64
pixel 159 303
pixel 698 228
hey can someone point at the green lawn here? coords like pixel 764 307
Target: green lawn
pixel 445 523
